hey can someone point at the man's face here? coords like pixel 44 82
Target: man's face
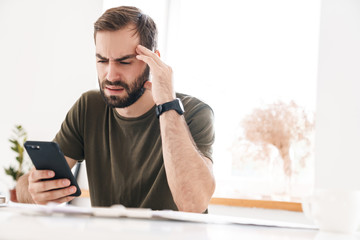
pixel 121 76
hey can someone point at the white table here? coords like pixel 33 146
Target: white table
pixel 14 225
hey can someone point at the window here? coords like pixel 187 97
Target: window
pixel 242 55
pixel 239 56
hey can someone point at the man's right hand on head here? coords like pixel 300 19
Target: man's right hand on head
pixel 43 189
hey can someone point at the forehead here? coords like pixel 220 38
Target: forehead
pixel 114 44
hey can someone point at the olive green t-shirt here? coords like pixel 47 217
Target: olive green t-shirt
pixel 123 156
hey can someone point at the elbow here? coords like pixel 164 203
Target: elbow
pixel 193 208
pixel 200 201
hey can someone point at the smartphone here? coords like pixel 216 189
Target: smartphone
pixel 48 156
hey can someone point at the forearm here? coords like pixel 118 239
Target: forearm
pixel 189 174
pixel 22 192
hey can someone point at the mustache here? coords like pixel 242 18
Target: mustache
pixel 115 83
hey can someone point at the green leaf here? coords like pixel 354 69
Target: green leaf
pixel 11 172
pixel 16 145
pixel 18 175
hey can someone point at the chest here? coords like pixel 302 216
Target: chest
pixel 122 150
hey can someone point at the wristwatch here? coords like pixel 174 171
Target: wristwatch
pixel 176 105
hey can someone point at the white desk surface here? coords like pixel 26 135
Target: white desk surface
pixel 14 225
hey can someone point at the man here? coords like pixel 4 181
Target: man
pixel 141 148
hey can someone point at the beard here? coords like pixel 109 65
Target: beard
pixel 134 91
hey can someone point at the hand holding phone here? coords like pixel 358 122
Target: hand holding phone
pixel 48 156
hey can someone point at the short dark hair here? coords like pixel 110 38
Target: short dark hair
pixel 117 18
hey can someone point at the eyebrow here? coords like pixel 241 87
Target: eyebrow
pixel 117 59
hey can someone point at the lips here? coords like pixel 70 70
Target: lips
pixel 113 90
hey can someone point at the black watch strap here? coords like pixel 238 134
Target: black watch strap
pixel 176 105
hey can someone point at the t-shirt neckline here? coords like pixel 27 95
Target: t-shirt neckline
pixel 127 119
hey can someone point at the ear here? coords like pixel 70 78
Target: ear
pixel 148 85
pixel 157 52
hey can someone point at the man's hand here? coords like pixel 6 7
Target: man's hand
pixel 43 191
pixel 161 85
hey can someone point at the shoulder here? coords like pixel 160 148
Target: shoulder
pixel 89 102
pixel 92 95
pixel 194 107
pixel 92 98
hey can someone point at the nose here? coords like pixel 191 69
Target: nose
pixel 113 73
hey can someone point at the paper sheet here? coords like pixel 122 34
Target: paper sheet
pixel 222 219
pixel 117 211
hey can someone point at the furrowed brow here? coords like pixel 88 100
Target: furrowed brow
pixel 125 57
pixel 101 57
pixel 117 59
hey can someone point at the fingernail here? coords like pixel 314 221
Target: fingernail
pixel 65 182
pixel 72 189
pixel 51 174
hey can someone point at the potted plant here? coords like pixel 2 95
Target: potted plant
pixel 278 125
pixel 17 143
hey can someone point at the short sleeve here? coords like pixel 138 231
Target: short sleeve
pixel 70 136
pixel 200 120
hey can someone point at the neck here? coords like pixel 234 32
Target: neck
pixel 141 106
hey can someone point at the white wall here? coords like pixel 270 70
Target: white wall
pixel 337 153
pixel 47 60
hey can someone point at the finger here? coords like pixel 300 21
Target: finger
pixel 43 186
pixel 64 199
pixel 144 51
pixel 37 175
pixel 54 195
pixel 140 49
pixel 149 61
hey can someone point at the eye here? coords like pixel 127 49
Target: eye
pixel 102 61
pixel 125 63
